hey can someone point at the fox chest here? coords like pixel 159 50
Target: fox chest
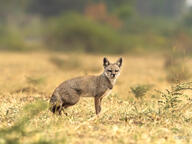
pixel 108 92
pixel 103 92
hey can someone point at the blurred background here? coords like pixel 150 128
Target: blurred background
pixel 96 26
pixel 44 42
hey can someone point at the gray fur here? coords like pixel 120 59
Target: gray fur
pixel 69 92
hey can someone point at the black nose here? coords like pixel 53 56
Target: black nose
pixel 113 75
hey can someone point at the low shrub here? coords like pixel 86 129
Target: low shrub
pixel 178 73
pixel 75 32
pixel 61 63
pixel 12 40
pixel 176 69
pixel 171 100
pixel 140 90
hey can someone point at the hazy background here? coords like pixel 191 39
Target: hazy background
pixel 96 26
pixel 45 42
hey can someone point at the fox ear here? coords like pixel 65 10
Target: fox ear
pixel 105 62
pixel 119 62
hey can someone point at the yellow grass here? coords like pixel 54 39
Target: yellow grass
pixel 27 78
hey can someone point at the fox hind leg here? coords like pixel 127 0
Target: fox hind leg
pixel 60 102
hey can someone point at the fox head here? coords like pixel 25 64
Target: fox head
pixel 112 70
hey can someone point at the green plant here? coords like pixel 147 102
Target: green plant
pixel 35 80
pixel 178 73
pixel 140 90
pixel 175 67
pixel 171 98
pixel 71 63
pixel 11 39
pixel 73 31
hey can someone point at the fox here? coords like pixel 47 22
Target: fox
pixel 69 92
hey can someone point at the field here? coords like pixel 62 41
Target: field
pixel 153 116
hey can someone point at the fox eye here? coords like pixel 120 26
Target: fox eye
pixel 109 70
pixel 116 70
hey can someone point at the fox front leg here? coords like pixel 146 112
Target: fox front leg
pixel 98 105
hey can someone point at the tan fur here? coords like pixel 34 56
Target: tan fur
pixel 69 92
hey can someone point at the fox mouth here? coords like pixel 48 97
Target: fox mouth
pixel 112 77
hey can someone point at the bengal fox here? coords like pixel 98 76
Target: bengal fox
pixel 69 92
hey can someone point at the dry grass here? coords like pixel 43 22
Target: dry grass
pixel 27 81
pixel 177 70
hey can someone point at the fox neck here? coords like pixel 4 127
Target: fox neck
pixel 111 81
